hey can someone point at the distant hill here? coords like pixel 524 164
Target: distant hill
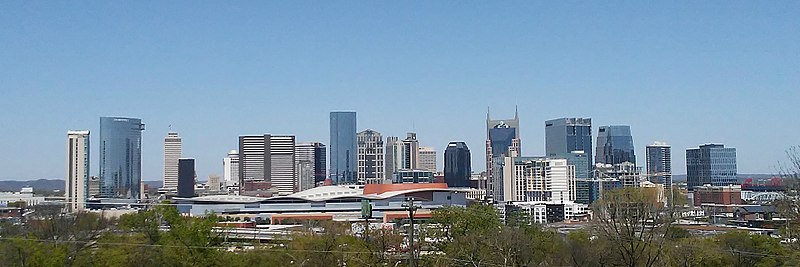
pixel 740 177
pixel 41 184
pixel 49 185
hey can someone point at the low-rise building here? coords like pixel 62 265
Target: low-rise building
pixel 722 195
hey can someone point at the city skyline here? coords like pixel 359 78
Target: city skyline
pixel 211 86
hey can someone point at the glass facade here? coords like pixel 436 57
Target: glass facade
pixel 502 137
pixel 120 157
pixel 413 176
pixel 712 164
pixel 457 165
pixel 186 177
pixel 567 135
pixel 615 145
pixel 343 147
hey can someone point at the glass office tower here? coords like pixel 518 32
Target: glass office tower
pixel 570 138
pixel 343 147
pixel 712 164
pixel 614 145
pixel 457 165
pixel 120 157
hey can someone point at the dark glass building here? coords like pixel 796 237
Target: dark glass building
pixel 614 145
pixel 120 157
pixel 186 177
pixel 565 136
pixel 712 164
pixel 343 147
pixel 457 165
pixel 320 164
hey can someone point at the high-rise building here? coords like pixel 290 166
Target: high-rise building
pixel 659 164
pixel 536 179
pixel 230 166
pixel 427 159
pixel 457 165
pixel 393 156
pixel 252 154
pixel 172 152
pixel 305 175
pixel 409 152
pixel 614 145
pixel 343 147
pixel 121 157
pixel 314 152
pixel 627 173
pixel 77 179
pixel 502 140
pixel 186 177
pixel 712 164
pixel 268 158
pixel 564 136
pixel 282 165
pixel 370 157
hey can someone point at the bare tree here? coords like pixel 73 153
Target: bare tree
pixel 789 206
pixel 636 223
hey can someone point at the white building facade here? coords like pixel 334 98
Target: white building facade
pixel 77 169
pixel 370 157
pixel 172 152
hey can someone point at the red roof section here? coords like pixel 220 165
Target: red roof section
pixel 383 188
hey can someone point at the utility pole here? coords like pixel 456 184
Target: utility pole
pixel 412 250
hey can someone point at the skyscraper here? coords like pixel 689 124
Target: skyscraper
pixel 268 158
pixel 457 165
pixel 282 164
pixel 393 155
pixel 230 166
pixel 120 157
pixel 172 152
pixel 502 140
pixel 314 152
pixel 564 136
pixel 614 145
pixel 712 164
pixel 370 157
pixel 305 174
pixel 427 159
pixel 77 179
pixel 186 177
pixel 536 179
pixel 409 152
pixel 343 147
pixel 659 164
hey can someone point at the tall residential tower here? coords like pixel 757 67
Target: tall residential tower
pixel 77 179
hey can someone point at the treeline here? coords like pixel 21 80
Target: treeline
pixel 629 230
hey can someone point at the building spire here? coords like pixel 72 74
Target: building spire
pixel 487 114
pixel 516 113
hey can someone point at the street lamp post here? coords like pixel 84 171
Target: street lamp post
pixel 409 205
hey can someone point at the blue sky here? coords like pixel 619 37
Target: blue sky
pixel 684 72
